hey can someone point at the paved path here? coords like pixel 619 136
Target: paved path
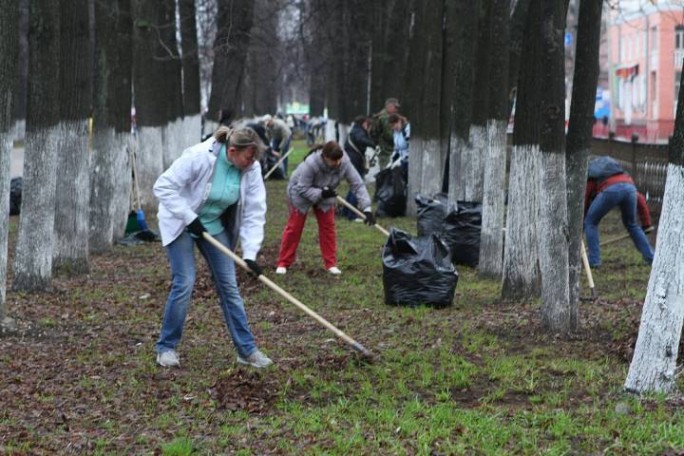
pixel 17 162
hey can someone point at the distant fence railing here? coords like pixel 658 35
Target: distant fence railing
pixel 646 163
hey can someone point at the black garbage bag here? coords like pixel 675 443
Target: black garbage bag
pixel 431 213
pixel 417 271
pixel 390 193
pixel 15 195
pixel 461 231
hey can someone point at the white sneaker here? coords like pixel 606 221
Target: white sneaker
pixel 334 270
pixel 168 358
pixel 256 359
pixel 281 270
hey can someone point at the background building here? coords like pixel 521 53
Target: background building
pixel 646 48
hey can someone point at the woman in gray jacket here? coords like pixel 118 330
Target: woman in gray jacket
pixel 312 185
pixel 215 187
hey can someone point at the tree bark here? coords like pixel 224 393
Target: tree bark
pixel 655 355
pixel 73 167
pixel 493 197
pixel 33 257
pixel 191 79
pixel 264 61
pixel 110 165
pixel 558 316
pixel 461 32
pixel 150 95
pixel 192 121
pixel 521 279
pixel 9 48
pixel 424 93
pixel 580 131
pixel 235 18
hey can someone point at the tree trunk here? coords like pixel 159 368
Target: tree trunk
pixel 558 316
pixel 390 36
pixel 264 61
pixel 473 157
pixel 580 131
pixel 191 82
pixel 191 72
pixel 655 355
pixel 150 95
pixel 521 280
pixel 461 31
pixel 424 93
pixel 9 48
pixel 73 167
pixel 235 18
pixel 110 165
pixel 33 257
pixel 493 197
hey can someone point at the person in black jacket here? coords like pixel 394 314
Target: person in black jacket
pixel 355 147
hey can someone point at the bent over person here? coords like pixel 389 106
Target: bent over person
pixel 313 185
pixel 214 187
pixel 609 186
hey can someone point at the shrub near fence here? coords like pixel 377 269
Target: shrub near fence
pixel 646 163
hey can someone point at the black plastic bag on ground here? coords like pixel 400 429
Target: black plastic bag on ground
pixel 15 195
pixel 461 231
pixel 417 271
pixel 431 213
pixel 390 193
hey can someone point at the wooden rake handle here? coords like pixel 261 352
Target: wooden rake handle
pixel 239 261
pixel 277 164
pixel 587 268
pixel 360 214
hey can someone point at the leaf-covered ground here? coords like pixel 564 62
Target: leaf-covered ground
pixel 480 377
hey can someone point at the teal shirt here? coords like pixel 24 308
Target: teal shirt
pixel 225 191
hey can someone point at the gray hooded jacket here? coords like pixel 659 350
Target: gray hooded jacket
pixel 307 181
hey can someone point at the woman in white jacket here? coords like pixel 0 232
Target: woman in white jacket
pixel 215 186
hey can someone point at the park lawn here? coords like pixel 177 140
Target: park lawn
pixel 480 377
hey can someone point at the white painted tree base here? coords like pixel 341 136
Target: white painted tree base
pixel 655 355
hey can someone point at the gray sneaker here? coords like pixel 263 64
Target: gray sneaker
pixel 256 359
pixel 168 358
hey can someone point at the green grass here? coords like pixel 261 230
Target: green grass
pixel 479 377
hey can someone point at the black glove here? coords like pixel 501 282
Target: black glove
pixel 328 192
pixel 197 228
pixel 254 267
pixel 370 219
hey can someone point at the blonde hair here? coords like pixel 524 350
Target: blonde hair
pixel 240 138
pixel 222 133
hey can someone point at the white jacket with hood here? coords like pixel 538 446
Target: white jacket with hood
pixel 185 186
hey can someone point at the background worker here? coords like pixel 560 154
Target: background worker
pixel 214 187
pixel 355 147
pixel 382 132
pixel 609 186
pixel 401 135
pixel 280 135
pixel 312 186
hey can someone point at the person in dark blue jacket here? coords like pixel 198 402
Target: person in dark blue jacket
pixel 355 147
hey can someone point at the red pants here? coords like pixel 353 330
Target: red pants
pixel 293 234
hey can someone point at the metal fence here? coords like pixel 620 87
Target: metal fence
pixel 646 163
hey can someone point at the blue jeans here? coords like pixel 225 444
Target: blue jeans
pixel 182 260
pixel 624 196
